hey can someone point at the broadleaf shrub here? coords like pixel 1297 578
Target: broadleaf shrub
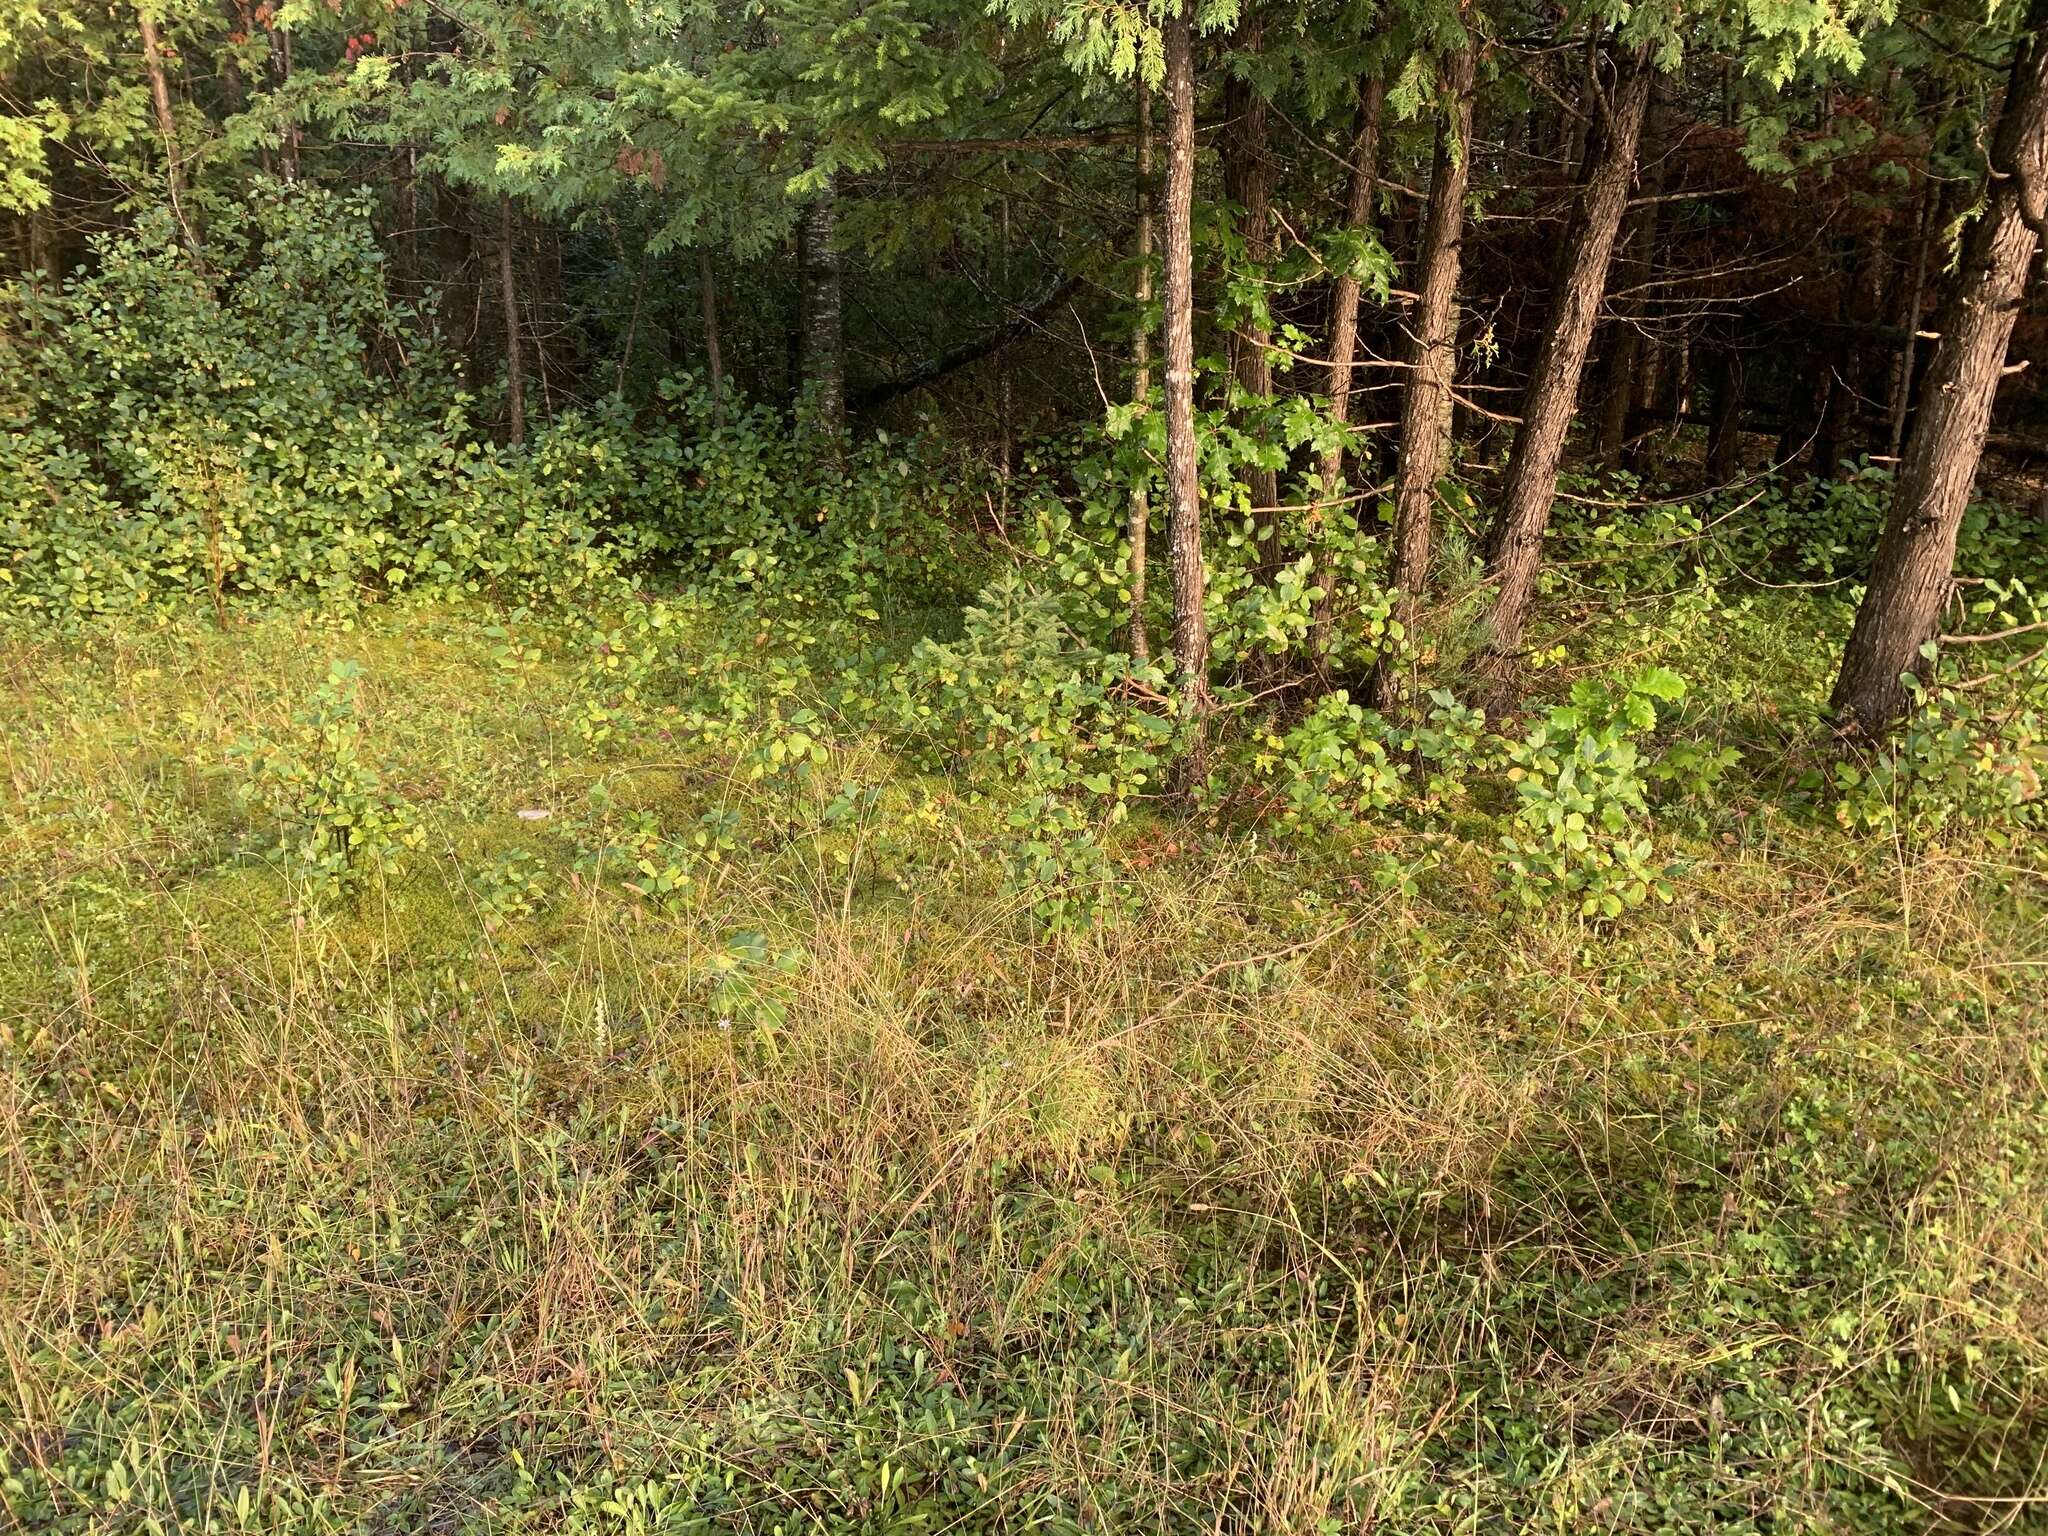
pixel 338 824
pixel 1580 829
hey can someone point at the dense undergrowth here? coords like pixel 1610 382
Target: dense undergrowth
pixel 652 984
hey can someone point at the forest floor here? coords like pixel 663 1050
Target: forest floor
pixel 819 1191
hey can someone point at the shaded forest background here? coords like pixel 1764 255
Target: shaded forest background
pixel 1368 290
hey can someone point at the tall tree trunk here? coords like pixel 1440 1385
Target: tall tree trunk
pixel 1909 349
pixel 167 130
pixel 1911 580
pixel 824 316
pixel 1247 181
pixel 281 75
pixel 1183 480
pixel 1581 283
pixel 1618 395
pixel 1724 430
pixel 407 273
pixel 1801 422
pixel 1432 361
pixel 1837 415
pixel 1361 184
pixel 35 261
pixel 515 363
pixel 793 338
pixel 714 357
pixel 1141 375
pixel 632 317
pixel 1637 380
pixel 1006 383
pixel 234 88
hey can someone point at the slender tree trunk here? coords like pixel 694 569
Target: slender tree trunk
pixel 1912 578
pixel 1432 360
pixel 233 87
pixel 1183 481
pixel 1837 416
pixel 1361 185
pixel 1724 431
pixel 167 130
pixel 35 261
pixel 793 338
pixel 281 71
pixel 1247 181
pixel 1141 375
pixel 1581 283
pixel 1801 423
pixel 824 316
pixel 1638 382
pixel 408 262
pixel 714 357
pixel 515 363
pixel 632 320
pixel 1611 438
pixel 1006 384
pixel 1648 403
pixel 1681 384
pixel 1909 349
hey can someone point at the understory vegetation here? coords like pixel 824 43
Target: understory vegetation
pixel 653 983
pixel 465 1068
pixel 894 768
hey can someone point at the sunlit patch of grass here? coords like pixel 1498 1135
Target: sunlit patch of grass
pixel 829 1195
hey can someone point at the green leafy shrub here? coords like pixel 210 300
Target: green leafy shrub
pixel 1579 829
pixel 635 848
pixel 1078 535
pixel 1963 754
pixel 1330 768
pixel 1054 858
pixel 750 980
pixel 338 824
pixel 514 884
pixel 238 436
pixel 1450 744
pixel 1022 690
pixel 744 506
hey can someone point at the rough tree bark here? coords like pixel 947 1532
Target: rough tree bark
pixel 515 363
pixel 1912 577
pixel 1141 374
pixel 824 316
pixel 1360 187
pixel 1432 359
pixel 1580 285
pixel 1183 480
